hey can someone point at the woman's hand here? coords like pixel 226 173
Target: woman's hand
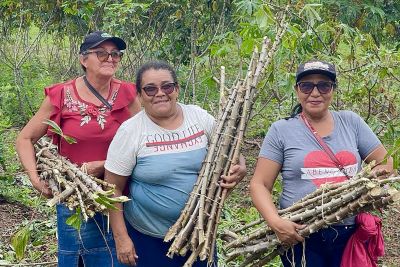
pixel 94 168
pixel 236 174
pixel 42 187
pixel 126 252
pixel 287 231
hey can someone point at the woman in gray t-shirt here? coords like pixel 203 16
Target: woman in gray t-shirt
pixel 290 148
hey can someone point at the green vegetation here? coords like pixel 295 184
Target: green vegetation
pixel 39 41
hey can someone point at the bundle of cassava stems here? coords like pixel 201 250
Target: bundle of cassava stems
pixel 196 228
pixel 71 185
pixel 257 244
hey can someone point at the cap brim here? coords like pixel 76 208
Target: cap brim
pixel 331 75
pixel 121 45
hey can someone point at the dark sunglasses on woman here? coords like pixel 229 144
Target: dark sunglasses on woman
pixel 323 87
pixel 152 90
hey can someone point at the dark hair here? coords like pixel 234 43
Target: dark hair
pixel 297 109
pixel 155 65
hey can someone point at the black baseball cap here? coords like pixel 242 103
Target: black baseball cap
pixel 316 67
pixel 96 38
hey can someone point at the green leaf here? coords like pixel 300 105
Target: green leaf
pixel 247 6
pixel 310 13
pixel 56 129
pixel 394 152
pixel 107 202
pixel 263 21
pixel 75 220
pixel 70 140
pixel 248 46
pixel 19 241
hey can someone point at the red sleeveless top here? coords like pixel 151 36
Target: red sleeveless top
pixel 93 127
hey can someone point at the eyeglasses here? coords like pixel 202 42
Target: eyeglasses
pixel 103 55
pixel 152 90
pixel 323 87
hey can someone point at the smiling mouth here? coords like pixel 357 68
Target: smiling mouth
pixel 161 101
pixel 315 102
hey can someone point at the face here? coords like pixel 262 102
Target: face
pixel 162 104
pixel 315 103
pixel 100 68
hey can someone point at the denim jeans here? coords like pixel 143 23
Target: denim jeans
pixel 152 252
pixel 92 243
pixel 323 248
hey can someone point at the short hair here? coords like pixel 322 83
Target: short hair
pixel 84 57
pixel 155 65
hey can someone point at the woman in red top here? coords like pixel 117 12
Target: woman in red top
pixel 92 120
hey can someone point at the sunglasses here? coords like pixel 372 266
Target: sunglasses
pixel 323 87
pixel 103 55
pixel 152 90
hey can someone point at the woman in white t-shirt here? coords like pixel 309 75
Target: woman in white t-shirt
pixel 158 153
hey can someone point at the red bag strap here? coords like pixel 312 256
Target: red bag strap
pixel 324 146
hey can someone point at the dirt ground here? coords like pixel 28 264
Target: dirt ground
pixel 391 233
pixel 12 217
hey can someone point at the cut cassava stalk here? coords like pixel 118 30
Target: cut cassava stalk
pixel 195 230
pixel 258 244
pixel 70 185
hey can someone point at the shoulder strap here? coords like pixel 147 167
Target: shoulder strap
pixel 96 93
pixel 324 146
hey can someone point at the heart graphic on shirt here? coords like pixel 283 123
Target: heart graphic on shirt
pixel 320 169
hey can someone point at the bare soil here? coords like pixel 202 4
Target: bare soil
pixel 13 216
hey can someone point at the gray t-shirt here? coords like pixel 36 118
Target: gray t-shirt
pixel 305 166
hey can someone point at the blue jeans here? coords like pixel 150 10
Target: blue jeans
pixel 152 251
pixel 92 243
pixel 323 248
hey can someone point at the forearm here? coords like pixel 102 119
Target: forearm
pixel 27 157
pixel 117 222
pixel 262 200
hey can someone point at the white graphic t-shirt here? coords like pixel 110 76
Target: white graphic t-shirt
pixel 163 166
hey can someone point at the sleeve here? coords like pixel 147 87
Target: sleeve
pixel 367 141
pixel 126 95
pixel 55 93
pixel 272 146
pixel 121 155
pixel 210 124
pixel 207 121
pixel 127 91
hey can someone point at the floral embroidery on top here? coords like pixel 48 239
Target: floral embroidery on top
pixel 88 111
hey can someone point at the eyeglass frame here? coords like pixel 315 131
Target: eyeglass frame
pixel 119 52
pixel 160 88
pixel 315 85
